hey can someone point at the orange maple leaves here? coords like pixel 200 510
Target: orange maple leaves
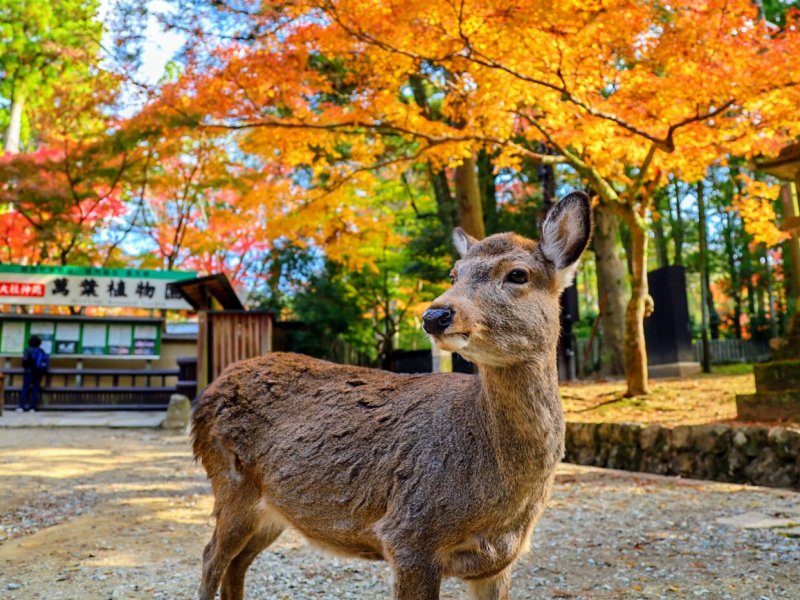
pixel 603 83
pixel 754 202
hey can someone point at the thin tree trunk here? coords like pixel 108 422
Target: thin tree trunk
pixel 14 129
pixel 658 230
pixel 773 322
pixel 547 183
pixel 468 199
pixel 733 271
pixel 547 179
pixel 704 290
pixel 676 225
pixel 611 286
pixel 488 191
pixel 713 315
pixel 445 205
pixel 625 238
pixel 635 348
pixel 747 275
pixel 761 307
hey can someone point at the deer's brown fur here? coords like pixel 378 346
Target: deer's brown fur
pixel 442 475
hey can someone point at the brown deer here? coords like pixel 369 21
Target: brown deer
pixel 442 475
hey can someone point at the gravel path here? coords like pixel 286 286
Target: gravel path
pixel 105 514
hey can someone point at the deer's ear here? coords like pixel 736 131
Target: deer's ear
pixel 566 231
pixel 463 241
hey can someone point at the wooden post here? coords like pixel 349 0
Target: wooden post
pixel 202 351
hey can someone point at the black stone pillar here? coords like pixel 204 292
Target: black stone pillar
pixel 667 331
pixel 567 367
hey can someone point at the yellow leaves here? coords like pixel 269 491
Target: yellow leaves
pixel 509 158
pixel 333 95
pixel 755 205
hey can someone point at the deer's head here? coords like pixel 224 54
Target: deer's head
pixel 503 306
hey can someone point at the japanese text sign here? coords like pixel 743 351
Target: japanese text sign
pixel 87 286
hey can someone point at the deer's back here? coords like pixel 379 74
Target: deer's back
pixel 320 436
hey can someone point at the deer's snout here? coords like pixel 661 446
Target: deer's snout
pixel 436 320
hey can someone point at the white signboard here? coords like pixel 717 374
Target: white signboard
pixel 94 338
pixel 119 339
pixel 77 286
pixel 13 338
pixel 45 330
pixel 67 337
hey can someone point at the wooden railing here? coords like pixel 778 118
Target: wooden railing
pixel 129 389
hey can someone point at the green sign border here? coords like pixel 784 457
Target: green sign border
pixel 106 323
pixel 97 272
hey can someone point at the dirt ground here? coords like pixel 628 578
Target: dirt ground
pixel 687 401
pixel 102 513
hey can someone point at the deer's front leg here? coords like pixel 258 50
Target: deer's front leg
pixel 491 588
pixel 416 579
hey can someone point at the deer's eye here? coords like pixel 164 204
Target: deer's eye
pixel 518 276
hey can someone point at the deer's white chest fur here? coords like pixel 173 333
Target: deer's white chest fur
pixel 488 551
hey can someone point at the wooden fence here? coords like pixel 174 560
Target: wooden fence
pixel 722 352
pixel 734 351
pixel 229 336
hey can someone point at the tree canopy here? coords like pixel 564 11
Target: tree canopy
pixel 359 133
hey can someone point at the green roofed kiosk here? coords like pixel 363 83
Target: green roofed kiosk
pixel 96 362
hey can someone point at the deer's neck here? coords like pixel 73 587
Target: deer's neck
pixel 521 409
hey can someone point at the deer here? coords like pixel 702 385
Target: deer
pixel 441 475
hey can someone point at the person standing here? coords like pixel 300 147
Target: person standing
pixel 35 362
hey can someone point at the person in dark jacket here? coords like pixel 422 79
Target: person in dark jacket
pixel 35 362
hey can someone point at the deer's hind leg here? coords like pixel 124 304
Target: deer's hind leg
pixel 233 580
pixel 238 522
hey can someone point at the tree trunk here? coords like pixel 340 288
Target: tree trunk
pixel 547 178
pixel 733 271
pixel 773 322
pixel 488 191
pixel 468 199
pixel 611 286
pixel 676 225
pixel 635 349
pixel 713 315
pixel 14 129
pixel 704 289
pixel 625 238
pixel 445 205
pixel 747 275
pixel 658 229
pixel 761 306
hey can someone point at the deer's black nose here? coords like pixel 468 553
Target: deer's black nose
pixel 436 320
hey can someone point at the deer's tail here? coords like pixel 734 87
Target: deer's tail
pixel 209 445
pixel 203 415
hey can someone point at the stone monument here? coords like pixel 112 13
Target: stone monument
pixel 777 396
pixel 667 330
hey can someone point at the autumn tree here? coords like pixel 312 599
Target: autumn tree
pixel 625 93
pixel 43 43
pixel 55 198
